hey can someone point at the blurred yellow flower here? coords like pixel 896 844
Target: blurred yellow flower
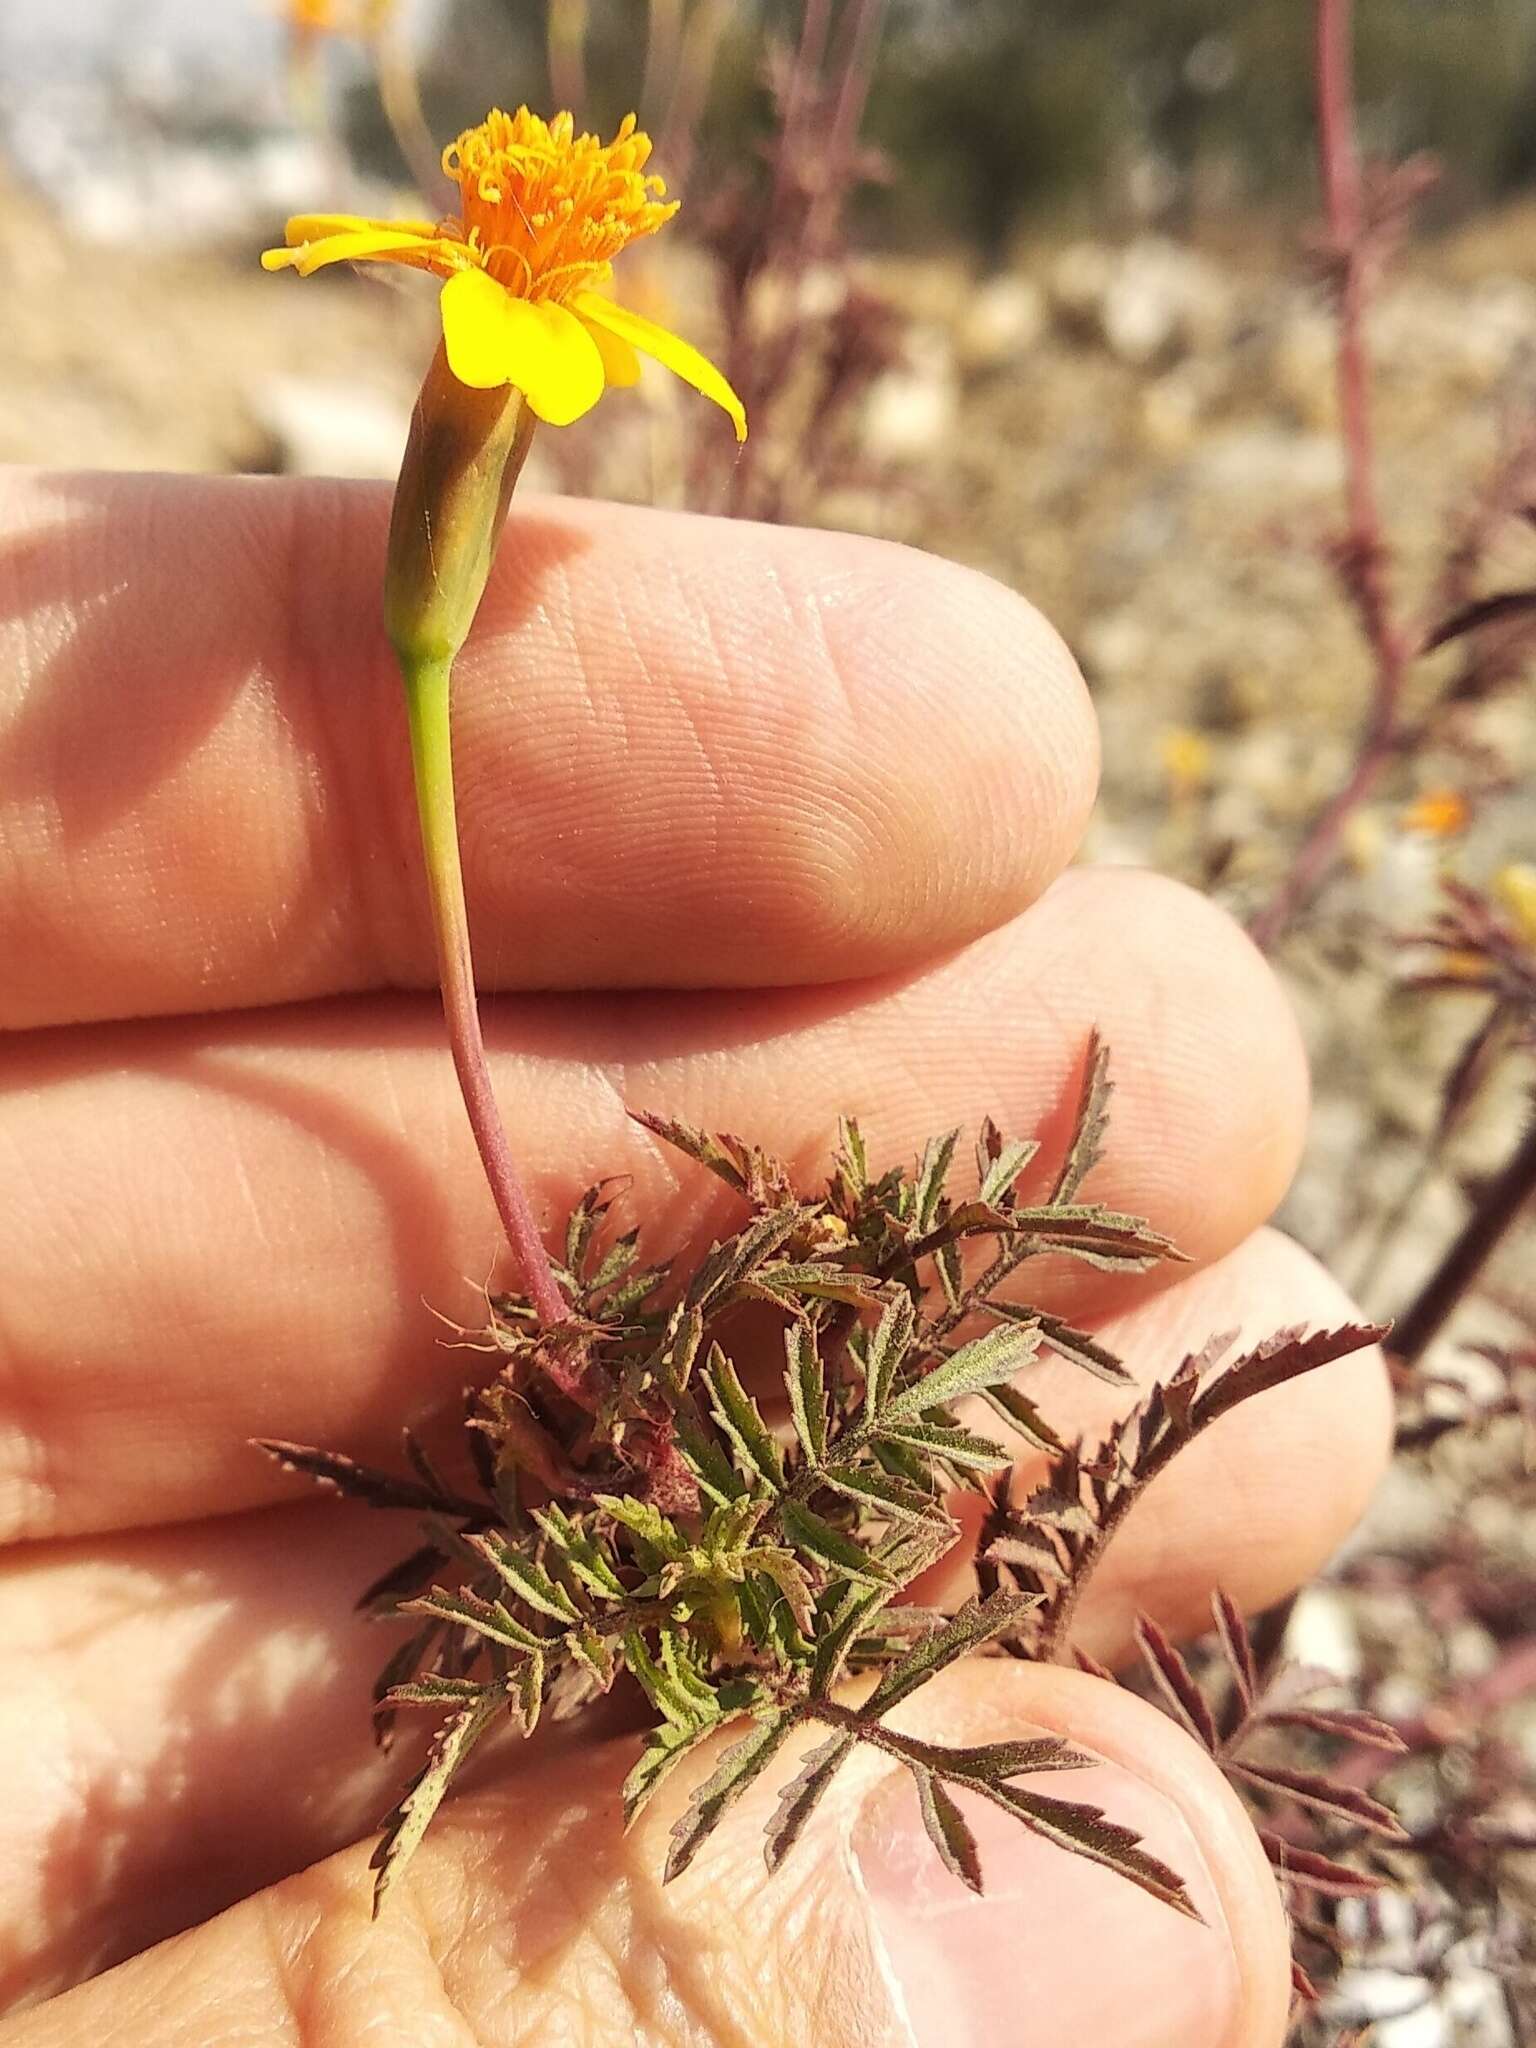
pixel 1186 760
pixel 309 18
pixel 1437 814
pixel 1515 888
pixel 543 212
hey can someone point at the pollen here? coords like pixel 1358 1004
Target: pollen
pixel 546 210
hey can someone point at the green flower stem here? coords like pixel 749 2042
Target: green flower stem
pixel 427 692
pixel 462 461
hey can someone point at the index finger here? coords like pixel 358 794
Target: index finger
pixel 690 752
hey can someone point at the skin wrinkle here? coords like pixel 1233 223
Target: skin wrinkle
pixel 1271 1280
pixel 359 880
pixel 315 933
pixel 719 1072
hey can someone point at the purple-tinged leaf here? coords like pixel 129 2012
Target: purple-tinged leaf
pixel 1086 1146
pixel 991 1361
pixel 1021 1414
pixel 1286 1356
pixel 403 1579
pixel 1343 1802
pixel 1348 1724
pixel 1099 1237
pixel 1092 1666
pixel 1079 1349
pixel 932 1172
pixel 408 1822
pixel 1237 1647
pixel 889 1344
pixel 806 1382
pixel 978 1622
pixel 810 1533
pixel 743 1167
pixel 947 1829
pixel 729 1264
pixel 364 1482
pixel 1176 1682
pixel 1317 1872
pixel 1087 1832
pixel 801 1796
pixel 1306 1991
pixel 996 1762
pixel 1004 1167
pixel 1487 611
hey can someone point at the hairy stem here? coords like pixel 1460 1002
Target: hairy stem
pixel 427 694
pixel 400 97
pixel 1363 554
pixel 567 45
pixel 1497 1209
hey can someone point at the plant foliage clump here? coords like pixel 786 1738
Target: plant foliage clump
pixel 636 1507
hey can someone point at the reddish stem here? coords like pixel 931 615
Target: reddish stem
pixel 1363 556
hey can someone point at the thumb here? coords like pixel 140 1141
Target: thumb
pixel 1057 1949
pixel 527 1916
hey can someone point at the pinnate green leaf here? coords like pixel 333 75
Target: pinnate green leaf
pixel 742 1764
pixel 1004 1171
pixel 488 1618
pixel 991 1361
pixel 978 1622
pixel 956 1446
pixel 817 1538
pixel 805 1379
pixel 932 1172
pixel 801 1796
pixel 528 1580
pixel 1089 1125
pixel 672 1689
pixel 408 1822
pixel 889 1344
pixel 739 1416
pixel 665 1747
pixel 578 1552
pixel 659 1538
pixel 883 1495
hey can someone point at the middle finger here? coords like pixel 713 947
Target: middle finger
pixel 246 1215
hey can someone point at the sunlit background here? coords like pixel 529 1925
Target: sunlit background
pixel 1038 284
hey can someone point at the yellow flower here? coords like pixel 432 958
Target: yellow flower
pixel 1437 814
pixel 543 212
pixel 1186 760
pixel 1515 888
pixel 309 18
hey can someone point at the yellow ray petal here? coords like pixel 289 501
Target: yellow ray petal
pixel 545 351
pixel 679 356
pixel 359 245
pixel 312 227
pixel 621 366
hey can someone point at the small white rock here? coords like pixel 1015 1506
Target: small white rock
pixel 323 427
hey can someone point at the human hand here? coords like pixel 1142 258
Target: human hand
pixel 798 805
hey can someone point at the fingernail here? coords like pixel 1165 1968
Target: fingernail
pixel 1057 1949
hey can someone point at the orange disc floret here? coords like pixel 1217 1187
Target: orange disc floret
pixel 543 212
pixel 546 210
